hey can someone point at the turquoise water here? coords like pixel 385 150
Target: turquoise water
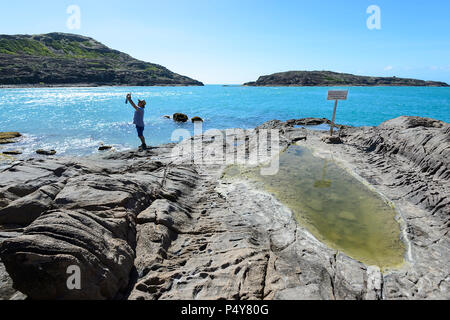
pixel 76 120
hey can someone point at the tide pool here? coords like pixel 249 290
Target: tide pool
pixel 334 206
pixel 74 121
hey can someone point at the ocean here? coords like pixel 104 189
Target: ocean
pixel 75 121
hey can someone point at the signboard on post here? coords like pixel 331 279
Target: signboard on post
pixel 336 95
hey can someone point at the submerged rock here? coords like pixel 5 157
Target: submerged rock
pixel 12 153
pixel 46 152
pixel 104 148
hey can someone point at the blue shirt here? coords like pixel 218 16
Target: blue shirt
pixel 139 117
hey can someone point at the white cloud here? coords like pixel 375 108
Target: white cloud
pixel 388 68
pixel 439 68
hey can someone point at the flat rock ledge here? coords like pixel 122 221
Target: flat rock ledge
pixel 152 225
pixel 9 137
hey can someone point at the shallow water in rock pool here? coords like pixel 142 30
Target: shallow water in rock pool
pixel 334 206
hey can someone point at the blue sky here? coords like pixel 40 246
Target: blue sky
pixel 235 41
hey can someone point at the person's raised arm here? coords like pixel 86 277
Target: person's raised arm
pixel 131 102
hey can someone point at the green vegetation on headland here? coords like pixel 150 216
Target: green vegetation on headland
pixel 329 78
pixel 69 59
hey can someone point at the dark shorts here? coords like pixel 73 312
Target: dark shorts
pixel 140 131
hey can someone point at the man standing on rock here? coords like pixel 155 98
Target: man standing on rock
pixel 138 119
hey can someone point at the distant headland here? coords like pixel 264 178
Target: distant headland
pixel 329 78
pixel 61 59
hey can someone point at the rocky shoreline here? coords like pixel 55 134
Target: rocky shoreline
pixel 147 225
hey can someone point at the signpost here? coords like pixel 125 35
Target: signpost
pixel 336 96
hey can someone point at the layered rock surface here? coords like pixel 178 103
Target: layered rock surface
pixel 153 225
pixel 78 213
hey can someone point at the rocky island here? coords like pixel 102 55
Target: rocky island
pixel 150 225
pixel 61 59
pixel 329 78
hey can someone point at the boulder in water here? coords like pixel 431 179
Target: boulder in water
pixel 46 152
pixel 180 117
pixel 197 119
pixel 12 152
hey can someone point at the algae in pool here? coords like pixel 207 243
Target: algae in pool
pixel 334 206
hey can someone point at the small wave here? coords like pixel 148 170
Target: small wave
pixel 77 146
pixel 28 144
pixel 115 125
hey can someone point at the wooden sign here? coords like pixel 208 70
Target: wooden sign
pixel 337 95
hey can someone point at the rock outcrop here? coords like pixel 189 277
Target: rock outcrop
pixel 12 152
pixel 329 78
pixel 46 152
pixel 104 148
pixel 57 59
pixel 180 117
pixel 81 214
pixel 425 145
pixel 8 137
pixel 197 119
pixel 151 225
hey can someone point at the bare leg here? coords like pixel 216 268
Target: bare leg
pixel 143 140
